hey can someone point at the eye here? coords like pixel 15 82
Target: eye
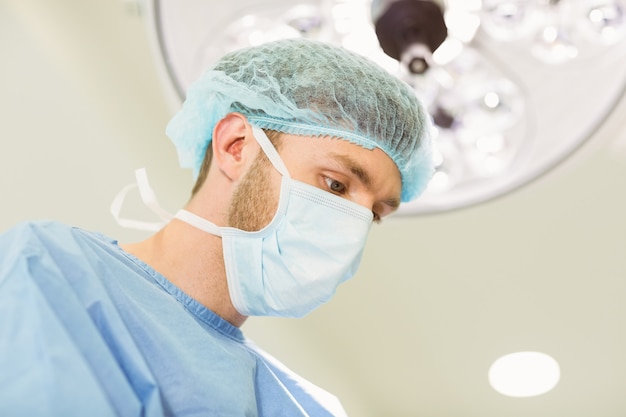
pixel 335 186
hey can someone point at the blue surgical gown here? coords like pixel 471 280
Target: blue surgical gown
pixel 87 329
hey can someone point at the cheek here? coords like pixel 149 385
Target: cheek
pixel 255 200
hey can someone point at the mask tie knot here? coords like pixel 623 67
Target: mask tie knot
pixel 148 197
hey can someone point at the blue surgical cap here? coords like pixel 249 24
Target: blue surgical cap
pixel 309 88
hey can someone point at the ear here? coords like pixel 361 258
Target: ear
pixel 234 148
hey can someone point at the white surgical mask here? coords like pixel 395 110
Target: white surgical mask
pixel 293 265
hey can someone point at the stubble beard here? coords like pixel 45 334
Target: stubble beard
pixel 254 201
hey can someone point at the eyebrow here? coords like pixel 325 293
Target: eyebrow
pixel 357 169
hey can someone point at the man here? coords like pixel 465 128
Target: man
pixel 90 327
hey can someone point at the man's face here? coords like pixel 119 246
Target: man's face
pixel 367 177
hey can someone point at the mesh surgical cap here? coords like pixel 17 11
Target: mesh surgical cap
pixel 309 88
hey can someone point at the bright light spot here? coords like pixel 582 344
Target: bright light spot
pixel 554 46
pixel 461 25
pixel 524 374
pixel 550 34
pixel 492 100
pixel 609 33
pixel 469 5
pixel 596 16
pixel 607 19
pixel 447 51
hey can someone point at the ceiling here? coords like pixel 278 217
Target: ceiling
pixel 438 297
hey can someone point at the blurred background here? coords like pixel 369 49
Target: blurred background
pixel 527 258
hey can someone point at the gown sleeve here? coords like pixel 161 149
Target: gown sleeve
pixel 53 361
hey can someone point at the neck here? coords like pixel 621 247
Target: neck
pixel 192 260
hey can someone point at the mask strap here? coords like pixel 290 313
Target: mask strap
pixel 149 199
pixel 270 151
pixel 198 222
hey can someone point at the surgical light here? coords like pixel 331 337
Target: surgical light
pixel 515 87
